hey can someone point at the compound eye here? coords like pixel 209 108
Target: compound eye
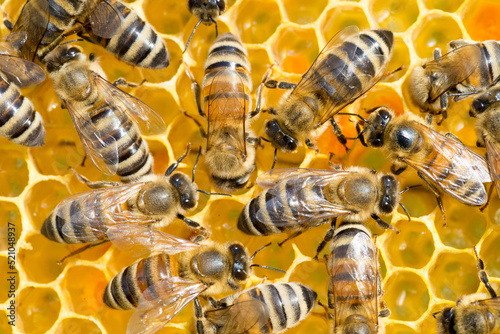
pixel 72 53
pixel 290 143
pixel 222 5
pixel 490 318
pixel 479 105
pixel 239 274
pixel 272 126
pixel 385 115
pixel 448 313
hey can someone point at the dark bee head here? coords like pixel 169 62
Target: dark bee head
pixel 378 121
pixel 188 196
pixel 279 138
pixel 207 10
pixel 484 101
pixel 357 324
pixel 446 321
pixel 241 263
pixel 390 194
pixel 61 56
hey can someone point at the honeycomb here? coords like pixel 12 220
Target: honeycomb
pixel 424 268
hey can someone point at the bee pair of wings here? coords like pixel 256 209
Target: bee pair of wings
pixel 104 152
pixel 362 267
pixel 493 155
pixel 104 19
pixel 459 163
pixel 345 91
pixel 14 69
pixel 227 105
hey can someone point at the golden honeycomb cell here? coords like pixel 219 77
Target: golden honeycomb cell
pixel 417 266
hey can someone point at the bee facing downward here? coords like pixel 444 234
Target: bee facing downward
pixel 207 12
pixel 348 66
pixel 109 121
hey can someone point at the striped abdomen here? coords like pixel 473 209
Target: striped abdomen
pixel 136 42
pixel 277 209
pixel 19 122
pixel 134 160
pixel 353 267
pixel 488 69
pixel 125 289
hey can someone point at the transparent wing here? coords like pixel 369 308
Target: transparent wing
pixel 227 91
pixel 243 316
pixel 33 20
pixel 358 270
pixel 453 165
pixel 161 302
pixel 13 42
pixel 300 198
pixel 142 240
pixel 452 68
pixel 21 72
pixel 104 154
pixel 97 209
pixel 272 177
pixel 491 303
pixel 149 122
pixel 493 150
pixel 105 19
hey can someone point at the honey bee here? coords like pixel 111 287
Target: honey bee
pixel 161 285
pixel 110 24
pixel 19 122
pixel 156 199
pixel 226 99
pixel 474 314
pixel 266 308
pixel 296 199
pixel 108 120
pixel 207 12
pixel 354 285
pixel 486 109
pixel 348 66
pixel 442 161
pixel 467 69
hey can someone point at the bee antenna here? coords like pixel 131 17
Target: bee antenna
pixel 434 314
pixel 406 211
pixel 258 250
pixel 216 28
pixel 275 157
pixel 173 166
pixel 353 114
pixel 207 193
pixel 73 40
pixel 196 163
pixel 270 268
pixel 191 36
pixel 408 188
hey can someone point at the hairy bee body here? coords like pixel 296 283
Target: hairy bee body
pixel 354 285
pixel 265 308
pixel 86 217
pixel 226 90
pixel 19 122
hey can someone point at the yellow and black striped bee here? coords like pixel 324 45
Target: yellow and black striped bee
pixel 348 66
pixel 207 12
pixel 108 120
pixel 296 199
pixel 161 285
pixel 486 107
pixel 467 69
pixel 265 308
pixel 478 313
pixel 19 122
pixel 108 23
pixel 98 215
pixel 354 285
pixel 230 151
pixel 441 160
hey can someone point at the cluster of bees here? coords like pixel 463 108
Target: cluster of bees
pixel 174 272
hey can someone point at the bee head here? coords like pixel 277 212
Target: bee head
pixel 207 10
pixel 390 194
pixel 188 196
pixel 446 320
pixel 378 121
pixel 279 138
pixel 62 55
pixel 241 263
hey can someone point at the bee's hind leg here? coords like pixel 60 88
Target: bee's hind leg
pixel 483 276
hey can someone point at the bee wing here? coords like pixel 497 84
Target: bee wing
pixel 491 303
pixel 270 178
pixel 241 317
pixel 452 68
pixel 149 122
pixel 453 164
pixel 225 107
pixel 105 19
pixel 142 240
pixel 493 150
pixel 34 20
pixel 13 42
pixel 104 154
pixel 358 271
pixel 301 198
pixel 161 302
pixel 21 72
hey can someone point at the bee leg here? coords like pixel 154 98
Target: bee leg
pixel 437 53
pixel 196 89
pixel 338 133
pixel 94 184
pixel 383 224
pixel 458 43
pixel 490 192
pixel 483 276
pixel 76 29
pixel 398 167
pixel 294 235
pixel 326 239
pixel 7 22
pixel 80 250
pixel 436 193
pixel 259 92
pixel 331 303
pixel 384 310
pixel 452 136
pixel 202 131
pixel 279 84
pixel 311 145
pixel 198 313
pixel 203 233
pixel 124 83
